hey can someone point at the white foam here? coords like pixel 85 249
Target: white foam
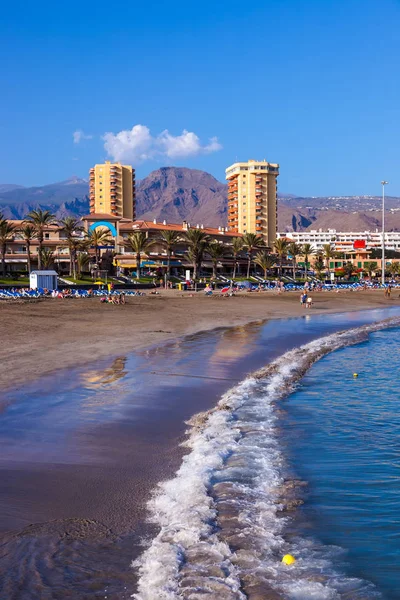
pixel 237 447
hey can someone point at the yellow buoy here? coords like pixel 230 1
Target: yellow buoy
pixel 355 374
pixel 288 559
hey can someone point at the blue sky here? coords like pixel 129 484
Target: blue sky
pixel 311 84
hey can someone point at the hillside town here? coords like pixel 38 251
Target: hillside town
pixel 111 242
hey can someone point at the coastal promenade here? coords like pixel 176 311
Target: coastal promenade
pixel 42 337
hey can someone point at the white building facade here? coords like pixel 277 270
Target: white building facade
pixel 342 241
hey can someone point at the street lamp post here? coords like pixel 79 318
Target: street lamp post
pixel 383 183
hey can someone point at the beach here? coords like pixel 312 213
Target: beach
pixel 84 448
pixel 40 337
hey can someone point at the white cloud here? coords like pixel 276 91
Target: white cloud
pixel 133 145
pixel 79 135
pixel 137 145
pixel 186 144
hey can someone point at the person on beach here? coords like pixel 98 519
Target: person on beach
pixel 309 302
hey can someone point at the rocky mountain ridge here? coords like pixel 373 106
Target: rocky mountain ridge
pixel 178 193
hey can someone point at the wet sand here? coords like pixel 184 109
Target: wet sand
pixel 82 449
pixel 39 338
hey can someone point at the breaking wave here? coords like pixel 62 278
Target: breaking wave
pixel 228 515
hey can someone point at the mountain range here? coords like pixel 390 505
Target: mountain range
pixel 178 193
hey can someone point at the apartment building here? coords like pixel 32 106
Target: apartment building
pixel 252 198
pixel 112 190
pixel 342 241
pixel 54 239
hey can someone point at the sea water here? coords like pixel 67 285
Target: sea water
pixel 344 436
pixel 81 451
pixel 234 507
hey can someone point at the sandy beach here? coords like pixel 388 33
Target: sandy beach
pixel 41 337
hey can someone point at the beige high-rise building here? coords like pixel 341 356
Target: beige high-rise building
pixel 112 190
pixel 252 198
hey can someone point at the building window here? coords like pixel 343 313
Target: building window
pixel 46 236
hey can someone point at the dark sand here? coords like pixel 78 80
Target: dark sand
pixel 41 337
pixel 81 449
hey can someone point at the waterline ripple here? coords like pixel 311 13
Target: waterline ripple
pixel 225 518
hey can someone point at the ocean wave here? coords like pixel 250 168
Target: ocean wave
pixel 225 518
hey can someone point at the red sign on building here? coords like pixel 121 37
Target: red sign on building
pixel 358 244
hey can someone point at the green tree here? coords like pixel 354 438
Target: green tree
pixel 294 250
pixel 98 237
pixel 251 242
pixel 71 227
pixel 281 249
pixel 7 233
pixel 138 244
pixel 197 241
pixel 29 234
pixel 46 258
pixel 216 251
pixel 40 219
pixel 237 248
pixel 329 253
pixel 170 240
pixel 83 260
pixel 265 261
pixel 307 251
pixel 370 267
pixel 394 268
pixel 348 269
pixel 76 247
pixel 319 266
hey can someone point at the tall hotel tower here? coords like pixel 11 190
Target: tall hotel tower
pixel 112 190
pixel 252 198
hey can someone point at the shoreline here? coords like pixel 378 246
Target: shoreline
pixel 42 338
pixel 88 447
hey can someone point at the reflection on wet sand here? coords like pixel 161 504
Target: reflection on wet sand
pixel 96 377
pixel 81 451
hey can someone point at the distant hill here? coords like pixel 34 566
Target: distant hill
pixel 177 193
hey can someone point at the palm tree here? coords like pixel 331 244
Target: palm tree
pixel 328 254
pixel 294 250
pixel 197 241
pixel 7 232
pixel 29 234
pixel 251 241
pixel 83 259
pixel 307 251
pixel 394 268
pixel 40 219
pixel 348 269
pixel 46 258
pixel 139 244
pixel 71 226
pixel 170 239
pixel 77 246
pixel 264 261
pixel 216 251
pixel 98 237
pixel 281 249
pixel 237 247
pixel 319 266
pixel 370 267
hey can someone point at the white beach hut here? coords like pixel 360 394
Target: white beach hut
pixel 43 279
